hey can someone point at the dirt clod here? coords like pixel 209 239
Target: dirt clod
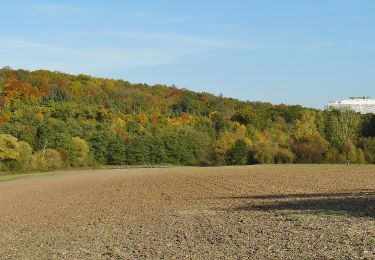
pixel 257 212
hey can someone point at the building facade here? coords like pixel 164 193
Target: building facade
pixel 363 105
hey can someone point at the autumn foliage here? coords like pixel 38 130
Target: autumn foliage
pixel 51 120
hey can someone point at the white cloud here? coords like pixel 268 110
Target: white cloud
pixel 90 57
pixel 360 19
pixel 34 55
pixel 320 45
pixel 168 18
pixel 52 9
pixel 176 39
pixel 358 3
pixel 144 14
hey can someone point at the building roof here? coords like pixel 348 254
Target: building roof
pixel 355 101
pixel 361 105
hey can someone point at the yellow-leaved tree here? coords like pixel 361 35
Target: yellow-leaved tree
pixel 81 152
pixel 47 159
pixel 14 155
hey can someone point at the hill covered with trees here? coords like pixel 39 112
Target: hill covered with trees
pixel 51 120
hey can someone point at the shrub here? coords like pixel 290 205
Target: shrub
pixel 262 154
pixel 81 152
pixel 311 151
pixel 368 148
pixel 284 155
pixel 238 154
pixel 48 159
pixel 14 155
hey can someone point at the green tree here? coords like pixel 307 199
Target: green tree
pixel 48 159
pixel 342 126
pixel 245 115
pixel 309 146
pixel 238 154
pixel 14 155
pixel 367 145
pixel 81 152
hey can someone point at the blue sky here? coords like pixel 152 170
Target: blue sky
pixel 292 51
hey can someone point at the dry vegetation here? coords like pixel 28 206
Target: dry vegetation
pixel 217 213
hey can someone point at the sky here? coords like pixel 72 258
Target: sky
pixel 304 52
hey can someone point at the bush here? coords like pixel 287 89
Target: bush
pixel 81 152
pixel 284 155
pixel 368 148
pixel 14 155
pixel 48 159
pixel 25 153
pixel 333 156
pixel 311 151
pixel 262 154
pixel 238 154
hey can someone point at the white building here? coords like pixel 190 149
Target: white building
pixel 363 105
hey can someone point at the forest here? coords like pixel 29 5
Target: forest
pixel 51 120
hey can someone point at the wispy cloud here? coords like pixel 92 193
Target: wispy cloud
pixel 358 3
pixel 36 55
pixel 41 9
pixel 52 9
pixel 360 19
pixel 144 14
pixel 320 45
pixel 175 39
pixel 150 14
pixel 98 57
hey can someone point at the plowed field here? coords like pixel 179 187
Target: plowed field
pixel 257 212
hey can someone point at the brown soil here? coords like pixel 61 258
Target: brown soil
pixel 260 212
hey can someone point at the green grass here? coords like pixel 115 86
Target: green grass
pixel 336 213
pixel 10 177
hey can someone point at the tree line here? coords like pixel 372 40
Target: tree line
pixel 51 120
